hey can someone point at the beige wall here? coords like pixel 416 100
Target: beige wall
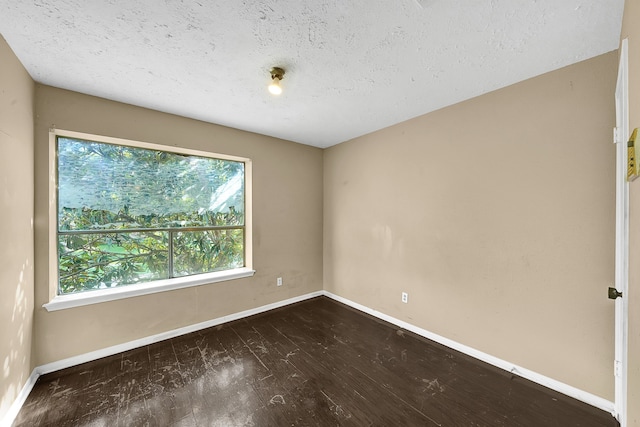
pixel 287 212
pixel 16 229
pixel 496 215
pixel 631 31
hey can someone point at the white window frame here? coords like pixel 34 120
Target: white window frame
pixel 60 302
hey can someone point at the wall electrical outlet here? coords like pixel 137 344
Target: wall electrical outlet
pixel 279 281
pixel 405 297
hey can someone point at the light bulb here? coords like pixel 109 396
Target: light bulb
pixel 275 87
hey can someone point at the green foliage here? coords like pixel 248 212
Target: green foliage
pixel 119 257
pixel 94 261
pixel 98 219
pixel 121 207
pixel 138 182
pixel 204 251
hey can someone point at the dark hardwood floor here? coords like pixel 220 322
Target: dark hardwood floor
pixel 314 363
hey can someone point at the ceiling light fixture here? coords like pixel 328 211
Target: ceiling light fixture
pixel 277 74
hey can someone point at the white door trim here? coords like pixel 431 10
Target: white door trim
pixel 622 236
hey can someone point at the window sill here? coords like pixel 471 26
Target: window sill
pixel 62 302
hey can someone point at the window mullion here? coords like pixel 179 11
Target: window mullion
pixel 170 248
pixel 147 230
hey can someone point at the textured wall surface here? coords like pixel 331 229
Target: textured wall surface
pixel 351 67
pixel 16 226
pixel 287 226
pixel 496 215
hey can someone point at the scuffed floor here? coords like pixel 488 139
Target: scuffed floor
pixel 314 363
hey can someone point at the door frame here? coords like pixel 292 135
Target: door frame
pixel 621 135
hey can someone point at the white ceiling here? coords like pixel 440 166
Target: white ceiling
pixel 352 66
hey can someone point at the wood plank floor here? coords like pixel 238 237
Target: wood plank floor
pixel 314 363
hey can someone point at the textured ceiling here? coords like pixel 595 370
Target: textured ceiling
pixel 352 67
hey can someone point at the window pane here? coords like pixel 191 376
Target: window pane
pixel 105 186
pixel 98 261
pixel 205 251
pixel 185 214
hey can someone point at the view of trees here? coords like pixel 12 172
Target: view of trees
pixel 130 215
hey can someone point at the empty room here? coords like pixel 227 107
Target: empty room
pixel 275 213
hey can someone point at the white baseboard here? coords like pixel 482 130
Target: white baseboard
pixel 558 386
pixel 563 388
pixel 12 413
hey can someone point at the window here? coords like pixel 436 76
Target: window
pixel 138 215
